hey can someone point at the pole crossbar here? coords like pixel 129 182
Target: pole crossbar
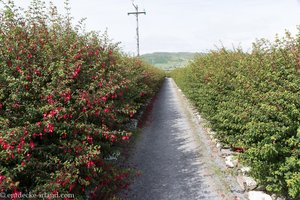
pixel 134 13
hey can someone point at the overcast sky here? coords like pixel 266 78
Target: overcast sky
pixel 187 25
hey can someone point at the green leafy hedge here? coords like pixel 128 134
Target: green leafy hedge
pixel 252 101
pixel 64 98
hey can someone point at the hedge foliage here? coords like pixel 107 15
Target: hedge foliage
pixel 252 101
pixel 65 96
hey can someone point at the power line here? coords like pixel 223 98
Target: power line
pixel 137 13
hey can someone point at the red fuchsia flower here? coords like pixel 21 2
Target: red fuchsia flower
pixel 103 99
pixel 89 139
pixel 6 146
pixel 106 110
pixel 28 78
pixel 25 132
pixel 53 113
pixel 39 123
pixel 16 105
pixel 15 194
pixel 142 94
pixel 90 163
pixel 90 53
pixel 23 164
pixel 37 72
pixel 113 137
pixel 2 178
pixel 29 56
pixel 1 105
pixel 19 148
pixel 114 96
pixel 78 149
pixel 76 72
pixel 70 188
pixel 97 112
pixel 131 114
pixel 45 115
pixel 49 99
pixel 18 68
pixel 9 63
pixel 31 144
pixel 67 96
pixel 49 128
pixel 78 56
pixel 28 155
pixel 125 137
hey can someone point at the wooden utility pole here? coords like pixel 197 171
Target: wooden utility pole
pixel 137 13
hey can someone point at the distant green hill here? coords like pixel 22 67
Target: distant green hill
pixel 168 60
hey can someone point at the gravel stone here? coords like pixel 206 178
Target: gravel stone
pixel 246 182
pixel 231 162
pixel 258 195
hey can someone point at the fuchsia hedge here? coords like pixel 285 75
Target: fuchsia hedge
pixel 64 99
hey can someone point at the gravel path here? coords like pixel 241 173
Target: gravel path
pixel 174 159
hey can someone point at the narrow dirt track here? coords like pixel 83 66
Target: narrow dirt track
pixel 173 157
